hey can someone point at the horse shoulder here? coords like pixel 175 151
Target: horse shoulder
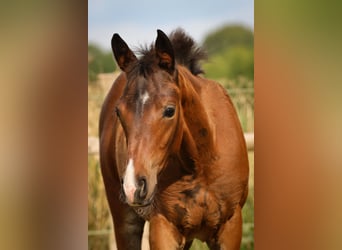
pixel 231 166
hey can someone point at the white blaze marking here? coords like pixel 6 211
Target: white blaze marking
pixel 144 97
pixel 129 181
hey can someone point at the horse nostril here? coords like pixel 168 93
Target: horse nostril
pixel 142 188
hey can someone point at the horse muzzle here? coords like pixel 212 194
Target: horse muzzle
pixel 136 193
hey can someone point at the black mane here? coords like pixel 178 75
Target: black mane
pixel 186 52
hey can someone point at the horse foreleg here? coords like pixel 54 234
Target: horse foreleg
pixel 164 235
pixel 230 233
pixel 128 227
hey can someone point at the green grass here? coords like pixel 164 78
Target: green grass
pixel 198 245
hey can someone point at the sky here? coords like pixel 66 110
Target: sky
pixel 137 21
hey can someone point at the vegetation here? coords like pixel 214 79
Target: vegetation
pixel 228 37
pixel 99 62
pixel 231 53
pixel 98 210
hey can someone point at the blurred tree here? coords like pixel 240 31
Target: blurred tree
pixel 228 36
pixel 231 64
pixel 231 53
pixel 99 62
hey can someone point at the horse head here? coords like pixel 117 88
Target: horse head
pixel 149 112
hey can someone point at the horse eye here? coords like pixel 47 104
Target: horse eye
pixel 169 111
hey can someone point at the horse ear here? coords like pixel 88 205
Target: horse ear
pixel 165 52
pixel 122 53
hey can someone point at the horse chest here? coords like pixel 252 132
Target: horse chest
pixel 193 209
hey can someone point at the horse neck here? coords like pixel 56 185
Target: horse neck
pixel 198 142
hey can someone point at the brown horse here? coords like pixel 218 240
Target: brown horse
pixel 172 150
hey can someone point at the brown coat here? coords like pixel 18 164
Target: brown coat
pixel 172 152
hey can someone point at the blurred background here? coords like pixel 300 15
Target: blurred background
pixel 224 28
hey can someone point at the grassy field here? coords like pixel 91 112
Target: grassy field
pixel 100 234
